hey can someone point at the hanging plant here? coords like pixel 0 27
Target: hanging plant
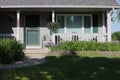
pixel 53 26
pixel 11 18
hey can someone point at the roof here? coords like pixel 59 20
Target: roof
pixel 60 3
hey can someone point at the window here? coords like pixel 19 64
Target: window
pixel 74 24
pixel 95 23
pixel 87 24
pixel 60 20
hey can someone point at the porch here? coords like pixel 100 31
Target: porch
pixel 10 36
pixel 30 26
pixel 58 38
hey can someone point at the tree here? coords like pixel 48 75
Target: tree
pixel 118 15
pixel 116 36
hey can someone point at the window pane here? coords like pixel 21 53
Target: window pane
pixel 60 20
pixel 32 20
pixel 87 24
pixel 95 23
pixel 74 24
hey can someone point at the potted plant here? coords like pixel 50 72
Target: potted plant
pixel 53 26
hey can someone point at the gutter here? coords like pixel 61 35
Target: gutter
pixel 55 6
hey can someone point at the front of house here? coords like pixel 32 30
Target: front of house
pixel 80 20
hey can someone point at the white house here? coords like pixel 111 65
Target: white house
pixel 80 20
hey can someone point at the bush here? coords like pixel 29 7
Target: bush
pixel 87 46
pixel 53 25
pixel 10 51
pixel 116 36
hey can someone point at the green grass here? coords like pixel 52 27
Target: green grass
pixel 75 67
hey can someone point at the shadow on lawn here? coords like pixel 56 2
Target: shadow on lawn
pixel 67 68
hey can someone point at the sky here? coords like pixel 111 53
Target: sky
pixel 115 23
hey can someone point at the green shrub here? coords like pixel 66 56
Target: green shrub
pixel 116 36
pixel 10 51
pixel 87 46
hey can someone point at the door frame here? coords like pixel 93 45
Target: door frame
pixel 25 33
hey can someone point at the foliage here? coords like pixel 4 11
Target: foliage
pixel 118 15
pixel 10 51
pixel 87 46
pixel 116 36
pixel 68 68
pixel 53 26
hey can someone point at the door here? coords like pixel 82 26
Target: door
pixel 32 24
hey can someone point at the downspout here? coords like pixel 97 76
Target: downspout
pixel 112 11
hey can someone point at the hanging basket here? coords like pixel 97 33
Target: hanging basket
pixel 53 26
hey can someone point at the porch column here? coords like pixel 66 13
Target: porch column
pixel 103 23
pixel 18 26
pixel 53 20
pixel 65 28
pixel 83 24
pixel 103 28
pixel 53 16
pixel 109 26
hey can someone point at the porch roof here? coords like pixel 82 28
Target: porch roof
pixel 58 4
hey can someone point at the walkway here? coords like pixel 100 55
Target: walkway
pixel 29 60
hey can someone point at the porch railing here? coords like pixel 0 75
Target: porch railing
pixel 80 37
pixel 10 36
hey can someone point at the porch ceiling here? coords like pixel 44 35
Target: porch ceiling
pixel 57 10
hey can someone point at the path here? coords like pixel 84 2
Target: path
pixel 29 60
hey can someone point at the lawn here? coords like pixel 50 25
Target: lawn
pixel 75 67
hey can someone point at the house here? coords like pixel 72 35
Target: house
pixel 26 20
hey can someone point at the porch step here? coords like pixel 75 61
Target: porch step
pixel 37 51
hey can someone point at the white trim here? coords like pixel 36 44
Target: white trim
pixel 18 26
pixel 32 47
pixel 109 26
pixel 56 6
pixel 74 14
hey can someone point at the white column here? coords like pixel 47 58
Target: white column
pixel 53 16
pixel 18 26
pixel 103 23
pixel 109 23
pixel 65 28
pixel 53 20
pixel 82 24
pixel 91 24
pixel 103 28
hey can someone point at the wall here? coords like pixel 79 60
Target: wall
pixel 5 23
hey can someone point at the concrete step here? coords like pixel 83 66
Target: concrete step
pixel 37 51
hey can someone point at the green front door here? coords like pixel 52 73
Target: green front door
pixel 32 37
